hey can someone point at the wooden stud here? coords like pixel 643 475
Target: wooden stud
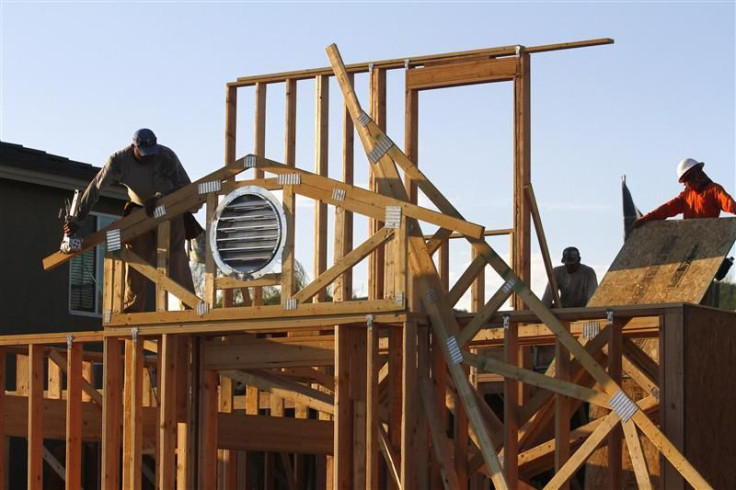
pixel 163 237
pixel 440 443
pixel 638 461
pixel 409 397
pixel 35 417
pixel 73 474
pixel 288 196
pixel 321 134
pixel 522 171
pixel 53 381
pixel 562 408
pixel 166 469
pixel 343 289
pixel 343 452
pixel 615 351
pixel 510 407
pixel 208 431
pixel 377 96
pixel 111 411
pixel 372 416
pixel 541 237
pixel 133 415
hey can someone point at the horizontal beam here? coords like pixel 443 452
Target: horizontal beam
pixel 274 434
pixel 270 353
pixel 457 74
pixel 414 61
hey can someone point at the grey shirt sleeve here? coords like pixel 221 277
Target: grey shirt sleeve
pixel 591 285
pixel 108 174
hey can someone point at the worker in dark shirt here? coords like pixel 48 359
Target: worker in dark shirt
pixel 149 171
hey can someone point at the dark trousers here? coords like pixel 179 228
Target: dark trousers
pixel 145 246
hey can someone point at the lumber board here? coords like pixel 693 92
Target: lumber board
pixel 73 467
pixel 321 147
pixel 638 461
pixel 366 202
pixel 415 61
pixel 163 237
pixel 35 417
pixel 276 352
pixel 132 415
pixel 667 261
pixel 111 412
pixel 162 281
pixel 247 313
pixel 457 74
pixel 343 264
pixel 440 442
pixel 138 223
pixel 165 465
pixel 283 387
pixel 476 267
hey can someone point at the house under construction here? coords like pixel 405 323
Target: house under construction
pixel 397 390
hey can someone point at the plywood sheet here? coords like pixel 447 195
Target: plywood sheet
pixel 666 262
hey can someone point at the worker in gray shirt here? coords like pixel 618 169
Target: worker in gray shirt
pixel 576 282
pixel 149 171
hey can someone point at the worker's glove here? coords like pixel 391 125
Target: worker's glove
pixel 70 227
pixel 150 204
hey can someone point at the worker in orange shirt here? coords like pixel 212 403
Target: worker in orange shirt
pixel 702 198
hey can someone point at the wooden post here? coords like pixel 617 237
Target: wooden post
pixel 357 393
pixel 409 397
pixel 166 469
pixel 208 431
pixel 395 384
pixel 111 413
pixel 522 171
pixel 133 415
pixel 186 375
pixel 343 452
pixel 343 286
pixel 163 236
pixel 376 260
pixel 372 418
pixel 510 405
pixel 260 150
pixel 288 196
pixel 562 409
pixel 615 352
pixel 35 417
pixel 321 133
pixel 672 421
pixel 73 415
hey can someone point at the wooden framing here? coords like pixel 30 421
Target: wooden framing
pixel 360 390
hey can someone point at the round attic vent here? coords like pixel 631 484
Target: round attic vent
pixel 248 233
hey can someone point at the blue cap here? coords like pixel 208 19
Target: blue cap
pixel 145 141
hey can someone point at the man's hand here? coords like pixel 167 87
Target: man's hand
pixel 150 204
pixel 70 227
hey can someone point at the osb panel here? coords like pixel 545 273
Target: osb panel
pixel 668 261
pixel 710 429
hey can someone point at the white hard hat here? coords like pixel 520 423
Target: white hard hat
pixel 685 165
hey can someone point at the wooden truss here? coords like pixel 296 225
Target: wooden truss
pixel 194 398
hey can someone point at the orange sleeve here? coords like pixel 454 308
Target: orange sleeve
pixel 726 201
pixel 668 209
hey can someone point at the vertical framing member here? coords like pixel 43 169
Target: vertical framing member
pixel 73 416
pixel 35 417
pixel 321 147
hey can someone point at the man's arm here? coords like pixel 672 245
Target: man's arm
pixel 108 174
pixel 667 210
pixel 547 297
pixel 725 200
pixel 591 286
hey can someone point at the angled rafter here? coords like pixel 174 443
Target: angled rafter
pixel 348 261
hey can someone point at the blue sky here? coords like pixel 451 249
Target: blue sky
pixel 77 78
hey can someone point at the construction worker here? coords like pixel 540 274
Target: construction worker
pixel 149 171
pixel 576 282
pixel 702 198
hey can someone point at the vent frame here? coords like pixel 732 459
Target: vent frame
pixel 274 205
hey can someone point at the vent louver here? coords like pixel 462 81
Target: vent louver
pixel 248 233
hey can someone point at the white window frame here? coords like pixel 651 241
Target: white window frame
pixel 99 271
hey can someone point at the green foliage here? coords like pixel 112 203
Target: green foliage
pixel 727 295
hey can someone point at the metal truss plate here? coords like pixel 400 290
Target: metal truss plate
pixel 113 240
